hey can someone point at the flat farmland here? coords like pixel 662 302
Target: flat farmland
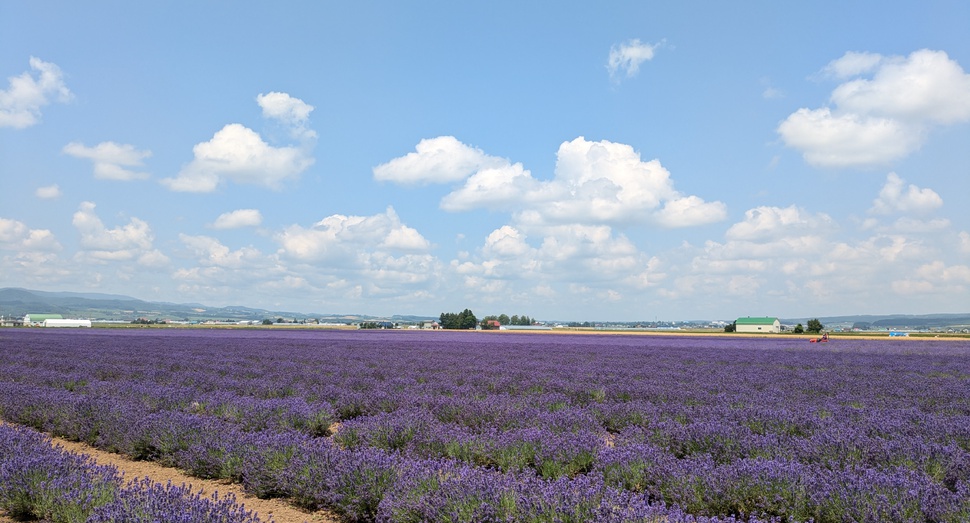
pixel 474 426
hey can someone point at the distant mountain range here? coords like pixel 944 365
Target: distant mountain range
pixel 893 321
pixel 16 302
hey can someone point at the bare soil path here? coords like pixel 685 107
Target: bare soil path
pixel 279 510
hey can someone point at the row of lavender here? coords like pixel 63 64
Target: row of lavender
pixel 756 428
pixel 39 481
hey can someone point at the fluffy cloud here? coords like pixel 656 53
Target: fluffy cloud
pixel 111 160
pixel 852 64
pixel 935 279
pixel 237 153
pixel 896 197
pixel 770 223
pixel 288 110
pixel 628 56
pixel 238 218
pixel 339 238
pixel 16 236
pixel 123 243
pixel 964 242
pixel 436 160
pixel 848 139
pixel 20 104
pixel 352 257
pixel 48 192
pixel 501 187
pixel 510 268
pixel 596 182
pixel 881 117
pixel 211 253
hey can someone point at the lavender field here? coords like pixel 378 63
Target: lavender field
pixel 466 426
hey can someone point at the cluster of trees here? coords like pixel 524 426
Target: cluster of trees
pixel 377 325
pixel 504 319
pixel 458 320
pixel 145 321
pixel 814 327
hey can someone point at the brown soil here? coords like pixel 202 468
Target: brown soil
pixel 276 509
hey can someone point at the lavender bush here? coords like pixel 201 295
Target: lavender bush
pixel 38 481
pixel 457 426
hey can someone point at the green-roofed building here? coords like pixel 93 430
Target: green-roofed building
pixel 34 320
pixel 757 324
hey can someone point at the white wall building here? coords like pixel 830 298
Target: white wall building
pixel 759 325
pixel 54 322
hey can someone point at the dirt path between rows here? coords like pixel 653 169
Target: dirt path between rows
pixel 279 510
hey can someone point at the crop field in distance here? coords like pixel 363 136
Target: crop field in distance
pixel 462 426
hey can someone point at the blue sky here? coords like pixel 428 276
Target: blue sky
pixel 569 160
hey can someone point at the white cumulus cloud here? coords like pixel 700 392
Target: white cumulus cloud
pixel 212 253
pixel 48 192
pixel 883 110
pixel 21 102
pixel 238 154
pixel 963 239
pixel 436 160
pixel 112 161
pixel 288 110
pixel 17 236
pixel 238 218
pixel 132 241
pixel 852 64
pixel 595 182
pixel 769 223
pixel 895 196
pixel 626 57
pixel 345 238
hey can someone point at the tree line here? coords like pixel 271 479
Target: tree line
pixel 466 319
pixel 458 320
pixel 504 319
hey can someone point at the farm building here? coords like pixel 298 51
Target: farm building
pixel 56 322
pixel 525 328
pixel 36 320
pixel 757 324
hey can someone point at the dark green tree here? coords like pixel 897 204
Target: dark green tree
pixel 448 320
pixel 731 327
pixel 504 319
pixel 798 329
pixel 462 320
pixel 467 320
pixel 815 326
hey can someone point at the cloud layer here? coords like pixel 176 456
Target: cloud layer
pixel 112 161
pixel 28 93
pixel 595 183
